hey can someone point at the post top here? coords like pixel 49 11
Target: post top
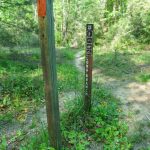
pixel 90 27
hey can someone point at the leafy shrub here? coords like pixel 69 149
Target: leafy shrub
pixel 3 143
pixel 23 87
pixel 139 16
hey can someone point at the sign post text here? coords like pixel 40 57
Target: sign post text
pixel 88 66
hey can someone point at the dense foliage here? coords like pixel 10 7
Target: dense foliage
pixel 18 25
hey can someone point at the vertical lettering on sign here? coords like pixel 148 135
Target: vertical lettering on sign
pixel 88 66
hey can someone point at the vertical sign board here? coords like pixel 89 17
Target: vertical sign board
pixel 47 42
pixel 88 66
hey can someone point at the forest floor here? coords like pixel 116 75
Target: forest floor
pixel 17 122
pixel 134 96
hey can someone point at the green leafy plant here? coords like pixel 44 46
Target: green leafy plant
pixel 3 143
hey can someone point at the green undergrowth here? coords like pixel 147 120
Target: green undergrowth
pixel 130 61
pixel 21 80
pixel 103 125
pixel 69 78
pixel 22 86
pixel 144 77
pixel 66 54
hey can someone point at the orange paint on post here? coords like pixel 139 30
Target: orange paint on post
pixel 42 8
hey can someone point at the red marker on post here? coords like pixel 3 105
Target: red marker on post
pixel 41 8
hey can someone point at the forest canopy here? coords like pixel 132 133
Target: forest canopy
pixel 19 21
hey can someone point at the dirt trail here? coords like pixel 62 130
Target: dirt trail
pixel 78 61
pixel 135 99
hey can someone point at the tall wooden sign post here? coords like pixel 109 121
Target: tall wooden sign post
pixel 88 66
pixel 47 41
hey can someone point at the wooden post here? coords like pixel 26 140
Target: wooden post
pixel 47 41
pixel 88 66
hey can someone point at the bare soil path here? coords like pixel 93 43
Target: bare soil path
pixel 135 100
